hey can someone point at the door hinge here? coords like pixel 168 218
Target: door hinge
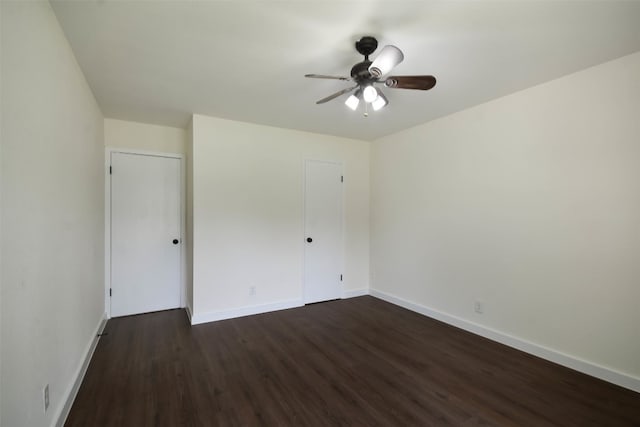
pixel 110 291
pixel 110 170
pixel 341 277
pixel 341 178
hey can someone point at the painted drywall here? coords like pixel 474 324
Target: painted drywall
pixel 188 243
pixel 529 204
pixel 144 137
pixel 248 213
pixel 1 139
pixel 52 216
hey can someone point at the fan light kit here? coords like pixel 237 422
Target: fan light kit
pixel 366 74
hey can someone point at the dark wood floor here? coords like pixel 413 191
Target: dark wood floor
pixel 360 362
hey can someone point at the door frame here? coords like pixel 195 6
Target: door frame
pixel 107 220
pixel 304 224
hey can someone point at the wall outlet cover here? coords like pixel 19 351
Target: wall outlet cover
pixel 478 307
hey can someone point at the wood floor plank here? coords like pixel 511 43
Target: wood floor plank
pixel 352 362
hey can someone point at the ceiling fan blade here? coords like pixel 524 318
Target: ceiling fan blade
pixel 335 95
pixel 322 76
pixel 387 59
pixel 410 82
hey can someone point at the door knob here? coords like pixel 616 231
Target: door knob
pixel 309 239
pixel 176 241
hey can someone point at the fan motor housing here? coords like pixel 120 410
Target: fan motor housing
pixel 361 75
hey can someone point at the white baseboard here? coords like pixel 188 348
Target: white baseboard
pixel 623 380
pixel 213 316
pixel 352 293
pixel 71 393
pixel 189 311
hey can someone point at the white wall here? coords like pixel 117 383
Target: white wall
pixel 247 214
pixel 52 215
pixel 144 137
pixel 1 210
pixel 189 219
pixel 530 204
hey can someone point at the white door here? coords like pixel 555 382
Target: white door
pixel 323 231
pixel 145 233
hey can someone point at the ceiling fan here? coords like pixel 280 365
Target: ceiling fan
pixel 367 74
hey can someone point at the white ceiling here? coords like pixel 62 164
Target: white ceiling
pixel 160 61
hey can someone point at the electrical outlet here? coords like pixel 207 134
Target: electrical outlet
pixel 45 395
pixel 252 290
pixel 478 307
